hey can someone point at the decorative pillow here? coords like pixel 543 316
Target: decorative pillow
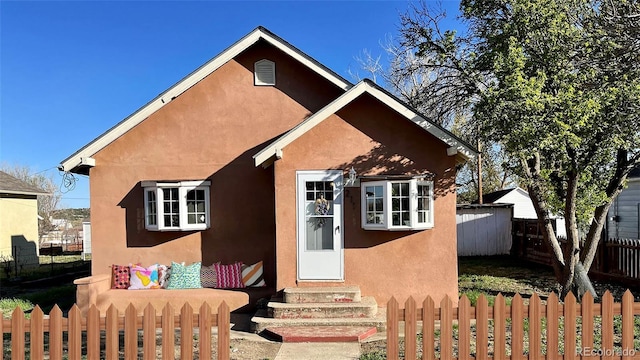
pixel 144 278
pixel 252 276
pixel 185 277
pixel 208 277
pixel 121 276
pixel 229 276
pixel 163 275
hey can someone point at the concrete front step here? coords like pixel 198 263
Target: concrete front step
pixel 327 294
pixel 327 333
pixel 261 321
pixel 366 307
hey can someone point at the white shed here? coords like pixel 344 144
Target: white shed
pixel 522 205
pixel 623 220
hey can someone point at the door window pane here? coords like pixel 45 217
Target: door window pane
pixel 319 233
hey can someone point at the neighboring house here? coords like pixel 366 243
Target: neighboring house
pixel 522 206
pixel 19 221
pixel 624 215
pixel 249 159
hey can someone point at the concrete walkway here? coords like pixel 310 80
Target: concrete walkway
pixel 319 351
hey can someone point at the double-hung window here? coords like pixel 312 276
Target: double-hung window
pixel 176 206
pixel 397 205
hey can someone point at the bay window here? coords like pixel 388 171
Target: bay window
pixel 397 204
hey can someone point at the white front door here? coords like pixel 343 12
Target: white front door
pixel 319 212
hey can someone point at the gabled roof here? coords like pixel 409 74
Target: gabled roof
pixel 457 145
pixel 12 185
pixel 495 196
pixel 81 160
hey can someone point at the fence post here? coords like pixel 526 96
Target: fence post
pixel 36 335
pixel 570 326
pixel 607 322
pixel 17 334
pixel 168 332
pixel 204 326
pixel 392 329
pixel 627 324
pixel 149 333
pixel 112 333
pixel 130 333
pixel 410 328
pixel 446 328
pixel 517 332
pixel 552 327
pixel 534 326
pixel 224 324
pixel 587 321
pixel 75 333
pixel 186 332
pixel 428 329
pixel 482 328
pixel 55 333
pixel 93 333
pixel 499 328
pixel 464 321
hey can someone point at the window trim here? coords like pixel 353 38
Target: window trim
pixel 387 202
pixel 183 187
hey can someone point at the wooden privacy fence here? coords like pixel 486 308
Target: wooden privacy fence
pixel 112 336
pixel 616 259
pixel 551 330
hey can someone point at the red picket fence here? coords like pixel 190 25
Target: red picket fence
pixel 551 330
pixel 97 336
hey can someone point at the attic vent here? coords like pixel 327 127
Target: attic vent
pixel 265 72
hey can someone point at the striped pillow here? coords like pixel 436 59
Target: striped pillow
pixel 229 276
pixel 252 276
pixel 208 277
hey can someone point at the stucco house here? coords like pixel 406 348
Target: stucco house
pixel 19 221
pixel 623 220
pixel 265 155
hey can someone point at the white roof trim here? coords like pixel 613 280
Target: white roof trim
pixel 183 85
pixel 363 87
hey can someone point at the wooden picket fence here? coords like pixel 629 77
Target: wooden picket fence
pixel 100 336
pixel 537 330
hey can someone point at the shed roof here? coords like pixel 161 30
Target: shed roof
pixel 12 185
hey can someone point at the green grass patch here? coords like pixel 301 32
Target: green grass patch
pixel 7 306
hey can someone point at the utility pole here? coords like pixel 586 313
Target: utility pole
pixel 479 172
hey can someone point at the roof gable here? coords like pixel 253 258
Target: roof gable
pixel 498 196
pixel 457 145
pixel 82 160
pixel 13 185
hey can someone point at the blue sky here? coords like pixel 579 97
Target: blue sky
pixel 69 71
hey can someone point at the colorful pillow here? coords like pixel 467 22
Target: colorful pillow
pixel 144 278
pixel 208 277
pixel 252 276
pixel 121 276
pixel 229 276
pixel 185 277
pixel 163 275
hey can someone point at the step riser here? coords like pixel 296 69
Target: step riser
pixel 323 313
pixel 321 298
pixel 342 294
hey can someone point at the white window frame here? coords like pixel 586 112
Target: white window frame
pixel 183 188
pixel 387 223
pixel 271 68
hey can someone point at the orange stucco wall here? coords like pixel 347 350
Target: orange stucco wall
pixel 374 140
pixel 209 132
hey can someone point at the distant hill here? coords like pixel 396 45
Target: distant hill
pixel 71 214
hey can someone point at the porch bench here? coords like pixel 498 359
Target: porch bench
pixel 96 290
